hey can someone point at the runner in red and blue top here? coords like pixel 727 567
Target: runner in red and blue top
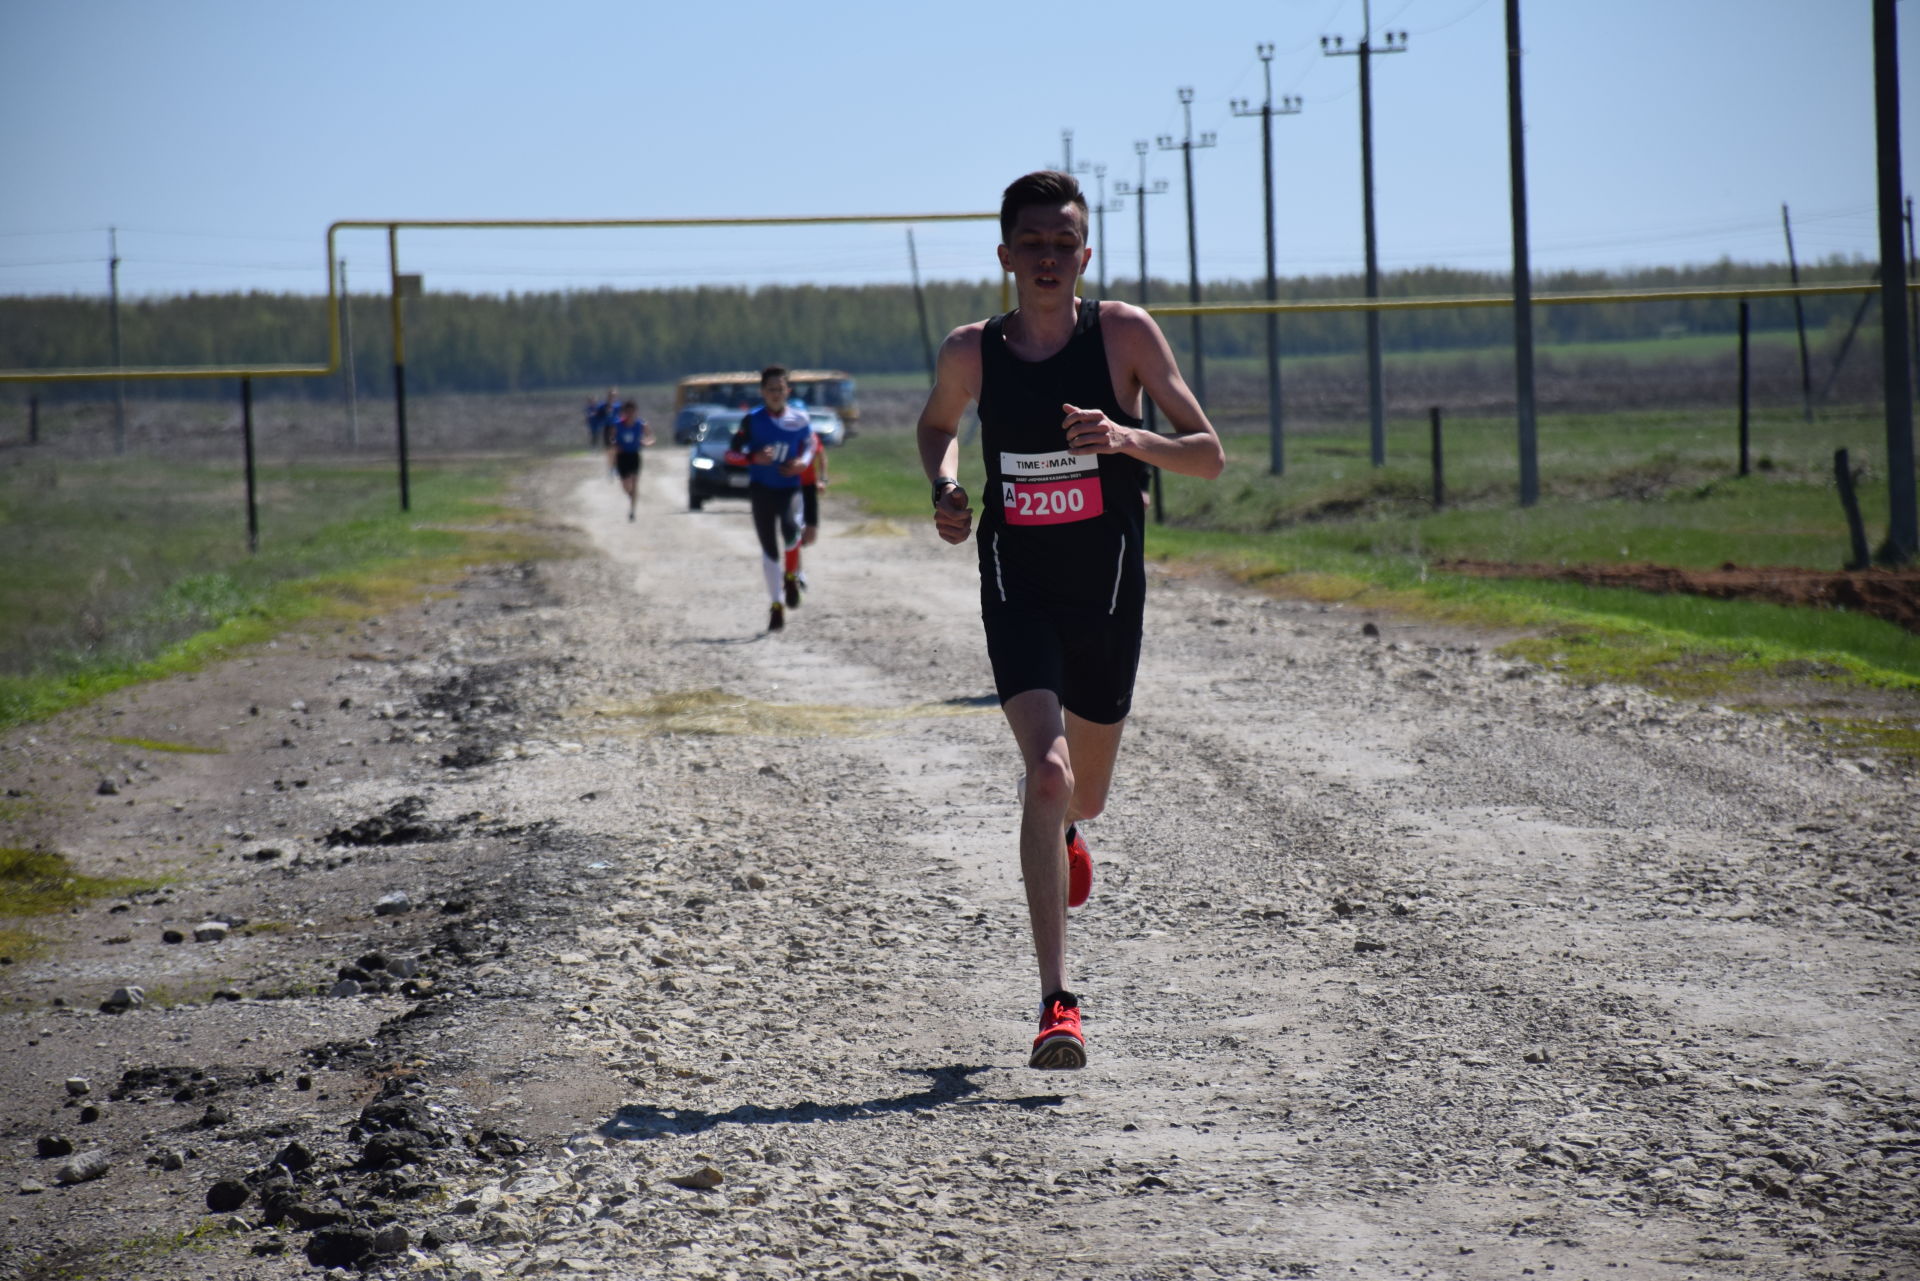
pixel 626 435
pixel 777 441
pixel 812 481
pixel 1059 383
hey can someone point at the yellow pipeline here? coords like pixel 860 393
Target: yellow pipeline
pixel 392 227
pixel 1729 293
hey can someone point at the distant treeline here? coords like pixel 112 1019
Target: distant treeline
pixel 538 341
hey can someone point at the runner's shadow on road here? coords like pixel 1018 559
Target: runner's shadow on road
pixel 949 1087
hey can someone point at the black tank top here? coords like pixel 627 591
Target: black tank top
pixel 1057 530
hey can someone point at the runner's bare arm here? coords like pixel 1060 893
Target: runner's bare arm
pixel 1191 448
pixel 956 384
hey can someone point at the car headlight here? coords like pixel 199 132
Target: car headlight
pixel 702 463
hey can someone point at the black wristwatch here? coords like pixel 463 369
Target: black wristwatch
pixel 941 486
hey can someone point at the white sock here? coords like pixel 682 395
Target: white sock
pixel 770 570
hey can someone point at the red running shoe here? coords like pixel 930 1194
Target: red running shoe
pixel 1079 868
pixel 1060 1044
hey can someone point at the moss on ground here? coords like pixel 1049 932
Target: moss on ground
pixel 158 745
pixel 36 882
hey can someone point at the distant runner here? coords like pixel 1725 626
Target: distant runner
pixel 600 416
pixel 812 481
pixel 777 442
pixel 627 435
pixel 1058 382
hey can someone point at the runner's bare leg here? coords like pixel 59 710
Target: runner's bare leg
pixel 1093 748
pixel 1035 717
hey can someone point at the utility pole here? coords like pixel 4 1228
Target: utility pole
pixel 1334 47
pixel 1276 444
pixel 1140 191
pixel 1903 519
pixel 353 385
pixel 113 306
pixel 1100 210
pixel 1523 405
pixel 1913 300
pixel 1066 154
pixel 1799 317
pixel 1185 146
pixel 397 314
pixel 920 305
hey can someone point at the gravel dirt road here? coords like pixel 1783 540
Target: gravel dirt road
pixel 568 923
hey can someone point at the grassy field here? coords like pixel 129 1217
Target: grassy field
pixel 119 570
pixel 1770 345
pixel 1652 487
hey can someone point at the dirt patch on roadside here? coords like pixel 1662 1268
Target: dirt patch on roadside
pixel 1891 594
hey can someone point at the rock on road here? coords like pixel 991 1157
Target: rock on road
pixel 1403 960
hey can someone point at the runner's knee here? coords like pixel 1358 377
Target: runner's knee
pixel 1050 781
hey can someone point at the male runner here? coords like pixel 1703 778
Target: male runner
pixel 1059 384
pixel 625 437
pixel 777 442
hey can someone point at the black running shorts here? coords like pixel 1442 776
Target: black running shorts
pixel 627 464
pixel 1087 659
pixel 810 505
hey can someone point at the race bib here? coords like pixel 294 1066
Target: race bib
pixel 1050 489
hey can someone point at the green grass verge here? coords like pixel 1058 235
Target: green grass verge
pixel 1645 487
pixel 90 603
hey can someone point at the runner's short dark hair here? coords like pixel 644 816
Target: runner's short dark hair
pixel 771 372
pixel 1047 187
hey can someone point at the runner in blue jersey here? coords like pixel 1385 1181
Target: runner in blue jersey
pixel 1060 385
pixel 777 441
pixel 627 434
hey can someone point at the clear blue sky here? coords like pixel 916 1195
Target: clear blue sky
pixel 221 137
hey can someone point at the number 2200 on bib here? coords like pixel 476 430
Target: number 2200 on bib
pixel 1049 489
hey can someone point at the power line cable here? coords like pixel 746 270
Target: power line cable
pixel 1427 31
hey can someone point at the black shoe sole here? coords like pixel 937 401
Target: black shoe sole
pixel 1059 1053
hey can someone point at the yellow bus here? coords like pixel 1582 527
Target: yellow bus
pixel 815 388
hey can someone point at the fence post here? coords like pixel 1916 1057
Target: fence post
pixel 1746 385
pixel 246 432
pixel 1856 531
pixel 33 420
pixel 1439 469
